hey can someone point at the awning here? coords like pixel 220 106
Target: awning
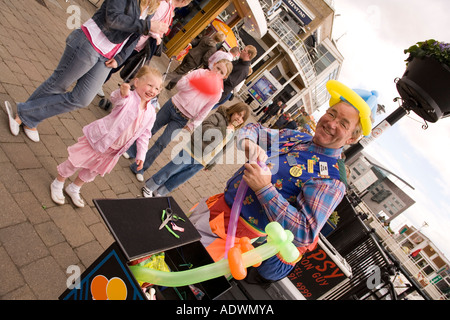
pixel 230 40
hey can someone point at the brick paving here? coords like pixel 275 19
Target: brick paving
pixel 39 239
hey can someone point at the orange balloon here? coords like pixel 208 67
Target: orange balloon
pixel 98 288
pixel 237 268
pixel 245 245
pixel 116 289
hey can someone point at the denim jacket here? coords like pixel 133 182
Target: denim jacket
pixel 118 19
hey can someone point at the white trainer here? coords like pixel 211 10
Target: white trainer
pixel 100 93
pixel 57 194
pixel 140 177
pixel 75 196
pixel 13 125
pixel 146 192
pixel 32 134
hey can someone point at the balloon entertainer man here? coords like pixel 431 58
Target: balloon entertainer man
pixel 292 181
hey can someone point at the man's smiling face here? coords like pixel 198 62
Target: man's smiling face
pixel 335 128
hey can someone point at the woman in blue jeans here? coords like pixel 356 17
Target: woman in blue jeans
pixel 91 51
pixel 206 146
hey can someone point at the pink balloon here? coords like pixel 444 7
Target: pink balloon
pixel 234 215
pixel 209 84
pixel 235 212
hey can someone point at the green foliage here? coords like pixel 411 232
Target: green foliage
pixel 334 218
pixel 432 49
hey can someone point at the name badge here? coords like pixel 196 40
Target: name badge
pixel 323 168
pixel 292 161
pixel 311 165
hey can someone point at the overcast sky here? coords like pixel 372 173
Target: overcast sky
pixel 372 36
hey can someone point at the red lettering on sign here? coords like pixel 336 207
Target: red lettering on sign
pixel 332 265
pixel 335 274
pixel 320 255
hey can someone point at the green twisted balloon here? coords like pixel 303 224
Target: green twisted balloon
pixel 278 240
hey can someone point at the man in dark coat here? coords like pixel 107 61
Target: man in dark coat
pixel 273 110
pixel 241 70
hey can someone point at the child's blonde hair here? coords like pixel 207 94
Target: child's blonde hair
pixel 219 36
pixel 228 65
pixel 147 70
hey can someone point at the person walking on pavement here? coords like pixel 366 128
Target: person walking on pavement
pixel 273 110
pixel 196 57
pixel 186 109
pixel 241 70
pixel 91 51
pixel 260 109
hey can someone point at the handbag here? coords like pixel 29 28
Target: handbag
pixel 133 64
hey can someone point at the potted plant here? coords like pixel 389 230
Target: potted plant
pixel 439 51
pixel 424 85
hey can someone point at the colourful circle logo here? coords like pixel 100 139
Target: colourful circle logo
pixel 104 289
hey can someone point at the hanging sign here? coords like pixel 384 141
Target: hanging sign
pixel 296 9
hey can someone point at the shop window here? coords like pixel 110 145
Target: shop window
pixel 322 58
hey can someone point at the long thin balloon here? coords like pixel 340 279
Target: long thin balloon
pixel 235 212
pixel 279 240
pixel 234 215
pixel 200 274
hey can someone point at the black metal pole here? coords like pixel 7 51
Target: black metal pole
pixel 358 147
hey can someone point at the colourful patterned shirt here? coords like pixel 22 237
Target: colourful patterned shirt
pixel 301 199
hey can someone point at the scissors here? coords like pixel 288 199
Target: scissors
pixel 170 217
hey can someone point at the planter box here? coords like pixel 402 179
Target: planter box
pixel 328 228
pixel 424 89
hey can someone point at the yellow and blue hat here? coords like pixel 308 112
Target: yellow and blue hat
pixel 362 100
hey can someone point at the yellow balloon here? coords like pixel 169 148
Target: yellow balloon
pixel 338 90
pixel 116 289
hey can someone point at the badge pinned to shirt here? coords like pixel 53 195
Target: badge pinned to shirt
pixel 323 168
pixel 296 171
pixel 288 144
pixel 292 161
pixel 311 164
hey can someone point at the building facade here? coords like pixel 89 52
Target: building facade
pixel 433 265
pixel 378 187
pixel 296 57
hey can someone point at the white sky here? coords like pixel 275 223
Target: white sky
pixel 372 36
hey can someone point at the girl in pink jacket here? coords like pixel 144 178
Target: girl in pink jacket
pixel 186 109
pixel 106 139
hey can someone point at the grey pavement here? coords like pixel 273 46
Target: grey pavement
pixel 39 239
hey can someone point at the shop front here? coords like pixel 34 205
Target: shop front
pixel 201 15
